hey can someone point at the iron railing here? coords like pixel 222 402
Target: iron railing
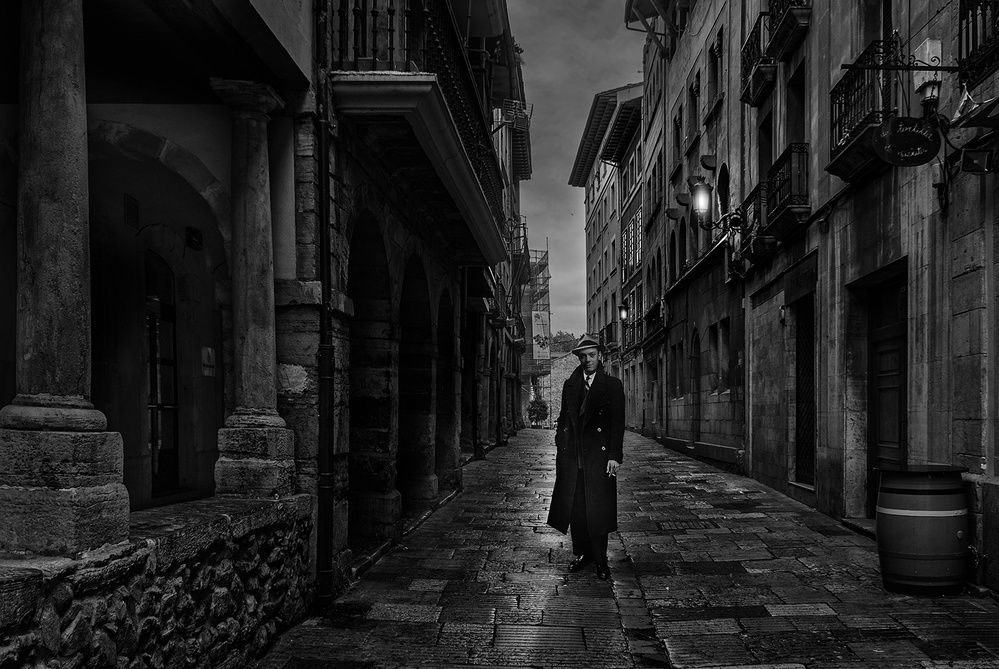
pixel 978 40
pixel 754 210
pixel 754 48
pixel 863 96
pixel 788 180
pixel 411 36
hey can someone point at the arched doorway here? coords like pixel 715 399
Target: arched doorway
pixel 447 459
pixel 415 458
pixel 373 502
pixel 157 263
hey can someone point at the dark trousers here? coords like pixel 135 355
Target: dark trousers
pixel 582 542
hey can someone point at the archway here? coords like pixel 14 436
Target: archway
pixel 448 455
pixel 373 502
pixel 415 458
pixel 158 263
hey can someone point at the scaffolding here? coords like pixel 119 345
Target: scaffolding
pixel 539 350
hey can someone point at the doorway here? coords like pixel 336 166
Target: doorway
pixel 887 407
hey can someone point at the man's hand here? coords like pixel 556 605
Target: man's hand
pixel 612 467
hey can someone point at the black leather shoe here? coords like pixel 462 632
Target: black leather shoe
pixel 603 572
pixel 579 562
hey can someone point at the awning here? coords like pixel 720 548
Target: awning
pixel 984 115
pixel 645 11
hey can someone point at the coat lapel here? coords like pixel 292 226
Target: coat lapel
pixel 573 390
pixel 597 390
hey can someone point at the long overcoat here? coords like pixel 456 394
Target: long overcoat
pixel 594 429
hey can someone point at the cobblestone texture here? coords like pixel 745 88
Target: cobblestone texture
pixel 709 570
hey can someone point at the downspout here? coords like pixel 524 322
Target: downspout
pixel 324 548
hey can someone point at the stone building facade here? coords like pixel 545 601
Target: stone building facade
pixel 865 277
pixel 689 320
pixel 253 295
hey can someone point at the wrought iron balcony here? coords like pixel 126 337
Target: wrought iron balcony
pixel 402 71
pixel 789 21
pixel 861 101
pixel 758 69
pixel 788 202
pixel 977 40
pixel 754 240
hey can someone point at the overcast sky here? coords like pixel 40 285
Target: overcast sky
pixel 573 49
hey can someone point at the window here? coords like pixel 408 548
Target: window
pixel 693 106
pixel 161 332
pixel 678 135
pixel 682 246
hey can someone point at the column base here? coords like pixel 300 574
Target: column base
pixel 62 522
pixel 376 515
pixel 52 412
pixel 61 492
pixel 420 491
pixel 255 462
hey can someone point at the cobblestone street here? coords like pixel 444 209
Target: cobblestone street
pixel 709 569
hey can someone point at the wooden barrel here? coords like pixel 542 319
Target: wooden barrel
pixel 923 529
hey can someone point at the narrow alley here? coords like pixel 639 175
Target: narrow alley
pixel 709 569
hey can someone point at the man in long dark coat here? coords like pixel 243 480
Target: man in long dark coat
pixel 589 440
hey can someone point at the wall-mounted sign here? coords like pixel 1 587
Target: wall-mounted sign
pixel 906 141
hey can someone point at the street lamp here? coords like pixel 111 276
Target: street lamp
pixel 700 196
pixel 623 312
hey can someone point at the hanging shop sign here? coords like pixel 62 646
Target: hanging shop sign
pixel 906 141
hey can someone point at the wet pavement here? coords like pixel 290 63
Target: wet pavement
pixel 708 569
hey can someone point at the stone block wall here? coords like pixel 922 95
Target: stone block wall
pixel 200 584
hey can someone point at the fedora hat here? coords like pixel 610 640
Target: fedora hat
pixel 586 341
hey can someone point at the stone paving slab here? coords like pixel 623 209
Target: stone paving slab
pixel 710 570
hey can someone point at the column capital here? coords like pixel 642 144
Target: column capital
pixel 247 96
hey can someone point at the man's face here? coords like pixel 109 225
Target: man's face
pixel 589 358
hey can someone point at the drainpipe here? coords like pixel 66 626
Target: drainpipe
pixel 325 492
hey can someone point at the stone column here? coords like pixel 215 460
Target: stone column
pixel 256 451
pixel 60 470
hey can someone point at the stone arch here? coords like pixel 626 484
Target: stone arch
pixel 153 203
pixel 115 138
pixel 416 479
pixel 447 462
pixel 374 504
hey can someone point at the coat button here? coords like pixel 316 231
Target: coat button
pixel 603 448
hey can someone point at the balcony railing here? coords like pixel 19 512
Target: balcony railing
pixel 978 40
pixel 863 97
pixel 787 196
pixel 754 210
pixel 410 36
pixel 758 69
pixel 754 242
pixel 789 21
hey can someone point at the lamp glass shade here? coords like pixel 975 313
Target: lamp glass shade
pixel 623 312
pixel 701 199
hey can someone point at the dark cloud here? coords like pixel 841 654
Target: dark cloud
pixel 573 49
